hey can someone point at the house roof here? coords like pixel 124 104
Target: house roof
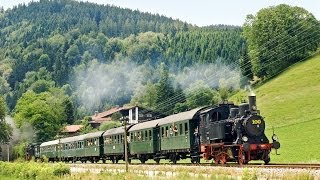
pixel 72 128
pixel 103 115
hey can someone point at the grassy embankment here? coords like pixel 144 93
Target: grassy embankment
pixel 291 104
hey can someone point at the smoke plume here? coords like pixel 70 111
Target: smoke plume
pixel 116 82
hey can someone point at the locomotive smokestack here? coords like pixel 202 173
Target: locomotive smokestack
pixel 252 102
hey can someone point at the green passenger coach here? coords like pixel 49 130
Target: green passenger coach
pixel 144 140
pixel 168 138
pixel 93 145
pixel 72 148
pixel 113 144
pixel 49 149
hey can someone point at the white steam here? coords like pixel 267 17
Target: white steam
pixel 250 90
pixel 214 75
pixel 25 133
pixel 116 82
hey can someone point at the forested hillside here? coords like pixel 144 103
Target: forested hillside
pixel 63 60
pixel 66 59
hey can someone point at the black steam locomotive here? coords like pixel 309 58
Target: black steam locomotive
pixel 235 133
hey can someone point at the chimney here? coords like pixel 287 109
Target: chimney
pixel 252 103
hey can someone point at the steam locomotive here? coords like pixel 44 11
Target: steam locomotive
pixel 221 133
pixel 235 133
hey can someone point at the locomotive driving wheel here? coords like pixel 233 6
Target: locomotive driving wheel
pixel 242 157
pixel 195 160
pixel 267 160
pixel 221 158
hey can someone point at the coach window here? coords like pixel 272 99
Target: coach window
pixel 180 129
pixel 139 136
pixel 208 118
pixel 150 137
pixel 162 131
pixel 167 131
pixel 142 135
pixel 146 135
pixel 186 128
pixel 216 116
pixel 131 137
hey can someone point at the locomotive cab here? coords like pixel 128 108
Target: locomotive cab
pixel 213 127
pixel 33 151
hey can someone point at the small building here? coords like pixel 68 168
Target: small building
pixel 135 114
pixel 72 130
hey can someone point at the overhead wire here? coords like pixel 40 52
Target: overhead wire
pixel 174 99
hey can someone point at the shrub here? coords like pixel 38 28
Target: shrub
pixel 61 169
pixel 45 159
pixel 33 170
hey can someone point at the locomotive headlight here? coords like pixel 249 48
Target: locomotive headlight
pixel 254 107
pixel 274 137
pixel 245 138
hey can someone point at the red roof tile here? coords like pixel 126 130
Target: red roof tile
pixel 72 128
pixel 104 116
pixel 106 113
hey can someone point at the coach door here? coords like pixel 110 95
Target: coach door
pixel 156 139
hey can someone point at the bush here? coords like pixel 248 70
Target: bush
pixel 246 175
pixel 61 169
pixel 109 125
pixel 45 159
pixel 33 170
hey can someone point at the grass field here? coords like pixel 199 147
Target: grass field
pixel 291 104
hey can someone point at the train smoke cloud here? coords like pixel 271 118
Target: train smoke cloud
pixel 25 133
pixel 214 75
pixel 116 82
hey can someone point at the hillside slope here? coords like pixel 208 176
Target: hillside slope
pixel 289 103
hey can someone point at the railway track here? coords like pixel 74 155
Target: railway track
pixel 251 165
pixel 207 170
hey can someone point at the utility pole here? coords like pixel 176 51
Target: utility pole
pixel 124 119
pixel 125 143
pixel 59 146
pixel 8 152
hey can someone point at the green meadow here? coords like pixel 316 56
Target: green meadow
pixel 290 103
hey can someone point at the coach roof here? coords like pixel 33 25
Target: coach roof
pixel 166 120
pixel 54 142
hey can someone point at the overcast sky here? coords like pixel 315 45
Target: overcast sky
pixel 200 12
